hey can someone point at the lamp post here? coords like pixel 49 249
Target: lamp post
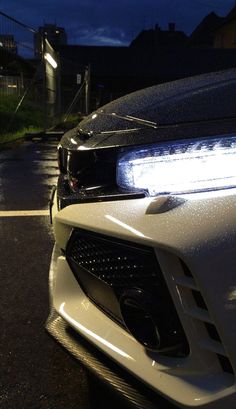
pixel 87 89
pixel 43 62
pixel 51 83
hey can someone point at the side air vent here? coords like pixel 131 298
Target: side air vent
pixel 198 311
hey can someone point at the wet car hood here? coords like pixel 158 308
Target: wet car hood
pixel 188 108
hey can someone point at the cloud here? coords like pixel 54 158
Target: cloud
pixel 100 36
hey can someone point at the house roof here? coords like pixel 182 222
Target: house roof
pixel 231 16
pixel 159 38
pixel 203 35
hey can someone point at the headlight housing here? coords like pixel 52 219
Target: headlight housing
pixel 180 166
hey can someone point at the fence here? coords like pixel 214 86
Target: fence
pixel 29 79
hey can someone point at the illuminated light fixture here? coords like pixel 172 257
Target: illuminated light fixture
pixel 12 86
pixel 50 59
pixel 176 167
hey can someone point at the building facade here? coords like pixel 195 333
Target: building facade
pixel 7 42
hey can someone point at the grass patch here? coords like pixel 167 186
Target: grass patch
pixel 71 122
pixel 14 136
pixel 28 118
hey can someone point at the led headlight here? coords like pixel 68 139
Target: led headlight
pixel 180 166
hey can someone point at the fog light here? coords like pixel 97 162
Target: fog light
pixel 145 317
pixel 136 309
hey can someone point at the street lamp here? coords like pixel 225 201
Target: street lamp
pixel 51 60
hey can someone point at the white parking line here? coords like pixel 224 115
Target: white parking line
pixel 20 213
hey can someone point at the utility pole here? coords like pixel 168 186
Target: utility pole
pixel 58 89
pixel 43 62
pixel 87 89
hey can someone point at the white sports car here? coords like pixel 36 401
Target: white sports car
pixel 143 272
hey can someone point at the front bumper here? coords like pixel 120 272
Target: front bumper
pixel 202 233
pixel 133 393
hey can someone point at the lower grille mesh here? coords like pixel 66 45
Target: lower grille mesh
pixel 117 264
pixel 124 279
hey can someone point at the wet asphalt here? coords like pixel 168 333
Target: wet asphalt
pixel 35 372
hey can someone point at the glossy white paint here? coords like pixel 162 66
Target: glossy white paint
pixel 202 231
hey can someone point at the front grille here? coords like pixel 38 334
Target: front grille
pixel 119 265
pixel 108 269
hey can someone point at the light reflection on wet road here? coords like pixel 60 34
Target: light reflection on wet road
pixel 34 372
pixel 27 175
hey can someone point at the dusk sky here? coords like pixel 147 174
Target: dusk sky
pixel 110 22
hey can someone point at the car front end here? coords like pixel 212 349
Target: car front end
pixel 143 267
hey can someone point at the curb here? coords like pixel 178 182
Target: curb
pixel 41 135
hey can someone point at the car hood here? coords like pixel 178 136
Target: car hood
pixel 187 108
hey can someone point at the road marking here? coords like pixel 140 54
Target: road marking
pixel 20 213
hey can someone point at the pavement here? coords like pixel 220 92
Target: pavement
pixel 35 371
